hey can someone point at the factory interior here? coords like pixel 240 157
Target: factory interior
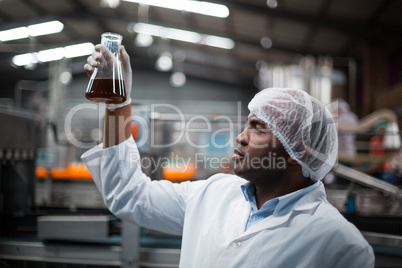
pixel 195 69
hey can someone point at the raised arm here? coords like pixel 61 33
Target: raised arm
pixel 117 126
pixel 116 169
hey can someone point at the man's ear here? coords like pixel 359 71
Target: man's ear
pixel 291 161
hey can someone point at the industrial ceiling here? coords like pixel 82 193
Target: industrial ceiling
pixel 339 28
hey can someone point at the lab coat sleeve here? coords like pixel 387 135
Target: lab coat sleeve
pixel 349 249
pixel 355 256
pixel 131 195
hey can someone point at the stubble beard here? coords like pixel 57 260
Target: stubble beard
pixel 260 169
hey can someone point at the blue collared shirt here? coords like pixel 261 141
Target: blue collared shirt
pixel 270 206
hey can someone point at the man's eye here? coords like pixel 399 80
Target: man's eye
pixel 260 130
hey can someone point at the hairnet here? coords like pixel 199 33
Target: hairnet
pixel 302 124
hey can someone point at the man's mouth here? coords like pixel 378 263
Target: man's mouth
pixel 238 155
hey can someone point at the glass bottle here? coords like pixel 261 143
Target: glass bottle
pixel 106 84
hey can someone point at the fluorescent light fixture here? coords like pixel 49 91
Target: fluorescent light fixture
pixel 78 50
pixel 110 3
pixel 182 35
pixel 24 59
pixel 221 42
pixel 13 34
pixel 199 7
pixel 45 28
pixel 169 33
pixel 53 54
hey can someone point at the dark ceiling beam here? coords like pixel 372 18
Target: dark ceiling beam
pixel 373 33
pixel 78 6
pixel 349 27
pixel 217 74
pixel 314 27
pixel 229 28
pixel 195 56
pixel 208 73
pixel 4 16
pixel 82 9
pixel 35 7
pixel 190 20
pixel 378 12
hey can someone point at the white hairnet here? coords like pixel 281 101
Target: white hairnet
pixel 302 124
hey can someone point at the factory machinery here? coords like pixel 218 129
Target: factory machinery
pixel 52 219
pixel 49 222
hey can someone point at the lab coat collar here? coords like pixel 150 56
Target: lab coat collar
pixel 282 202
pixel 307 204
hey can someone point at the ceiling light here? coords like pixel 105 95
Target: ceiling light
pixel 177 79
pixel 24 59
pixel 266 42
pixel 65 77
pixel 183 35
pixel 78 50
pixel 272 3
pixel 51 54
pixel 45 28
pixel 110 3
pixel 47 55
pixel 13 34
pixel 143 40
pixel 221 42
pixel 199 7
pixel 169 33
pixel 164 62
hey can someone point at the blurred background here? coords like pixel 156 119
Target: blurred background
pixel 196 65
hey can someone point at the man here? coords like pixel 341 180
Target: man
pixel 267 215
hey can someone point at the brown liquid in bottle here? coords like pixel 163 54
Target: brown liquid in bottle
pixel 109 91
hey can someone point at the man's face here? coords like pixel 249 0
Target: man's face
pixel 259 154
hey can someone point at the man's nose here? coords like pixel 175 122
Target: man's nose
pixel 242 138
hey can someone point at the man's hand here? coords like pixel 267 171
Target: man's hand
pixel 117 127
pixel 102 56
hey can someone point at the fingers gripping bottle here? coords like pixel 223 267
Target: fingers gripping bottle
pixel 106 84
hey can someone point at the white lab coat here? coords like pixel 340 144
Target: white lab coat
pixel 211 216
